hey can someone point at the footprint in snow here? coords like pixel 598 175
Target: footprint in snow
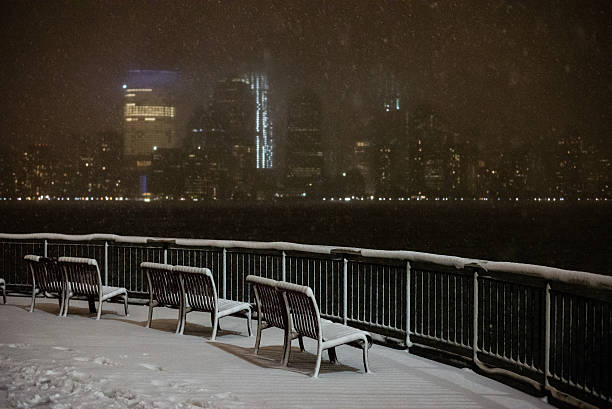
pixel 18 346
pixel 104 361
pixel 152 367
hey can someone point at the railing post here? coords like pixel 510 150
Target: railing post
pixel 475 314
pixel 408 274
pixel 224 273
pixel 165 254
pixel 547 338
pixel 45 248
pixel 105 263
pixel 345 293
pixel 284 272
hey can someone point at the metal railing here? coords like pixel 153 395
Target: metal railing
pixel 549 327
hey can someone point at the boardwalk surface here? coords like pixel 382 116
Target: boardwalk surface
pixel 78 362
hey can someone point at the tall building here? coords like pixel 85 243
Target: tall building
pixel 149 111
pixel 389 144
pixel 569 173
pixel 304 145
pixel 263 125
pixel 149 122
pixel 429 137
pixel 229 138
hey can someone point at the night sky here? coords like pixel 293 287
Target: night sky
pixel 501 72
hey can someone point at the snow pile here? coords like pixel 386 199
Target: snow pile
pixel 38 383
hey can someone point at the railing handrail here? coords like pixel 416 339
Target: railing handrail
pixel 553 274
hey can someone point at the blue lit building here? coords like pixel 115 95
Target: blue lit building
pixel 149 117
pixel 149 111
pixel 263 124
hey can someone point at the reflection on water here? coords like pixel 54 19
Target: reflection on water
pixel 572 236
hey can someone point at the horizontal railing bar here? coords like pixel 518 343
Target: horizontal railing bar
pixel 430 338
pixel 548 273
pixel 510 361
pixel 372 324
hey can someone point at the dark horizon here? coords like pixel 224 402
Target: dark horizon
pixel 501 73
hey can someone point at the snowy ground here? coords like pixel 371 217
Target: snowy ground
pixel 78 362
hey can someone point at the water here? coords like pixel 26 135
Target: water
pixel 574 236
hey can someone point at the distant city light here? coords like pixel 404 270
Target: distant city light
pixel 124 86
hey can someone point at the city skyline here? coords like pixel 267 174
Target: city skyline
pixel 405 154
pixel 503 73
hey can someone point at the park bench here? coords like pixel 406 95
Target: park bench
pixel 200 294
pixel 306 321
pixel 189 289
pixel 271 310
pixel 83 279
pixel 164 289
pixel 47 279
pixel 3 288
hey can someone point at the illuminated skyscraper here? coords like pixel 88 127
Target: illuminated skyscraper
pixel 149 112
pixel 263 124
pixel 229 138
pixel 304 145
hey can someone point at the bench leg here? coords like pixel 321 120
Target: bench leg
pixel 259 330
pixel 125 304
pixel 249 323
pixel 92 304
pixel 286 348
pixel 333 358
pixel 365 356
pixel 301 341
pixel 66 306
pixel 62 304
pixel 150 311
pixel 318 364
pixel 34 301
pixel 215 319
pixel 99 308
pixel 182 317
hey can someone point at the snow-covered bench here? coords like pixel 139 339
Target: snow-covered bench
pixel 3 288
pixel 306 321
pixel 271 309
pixel 200 294
pixel 164 289
pixel 83 278
pixel 47 278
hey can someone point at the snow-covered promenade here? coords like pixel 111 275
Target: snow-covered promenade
pixel 78 362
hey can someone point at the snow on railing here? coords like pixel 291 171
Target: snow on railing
pixel 547 273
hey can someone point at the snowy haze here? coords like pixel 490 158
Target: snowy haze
pixel 502 72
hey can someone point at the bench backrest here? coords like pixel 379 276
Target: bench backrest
pixel 164 283
pixel 305 316
pixel 270 302
pixel 47 274
pixel 82 274
pixel 199 288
